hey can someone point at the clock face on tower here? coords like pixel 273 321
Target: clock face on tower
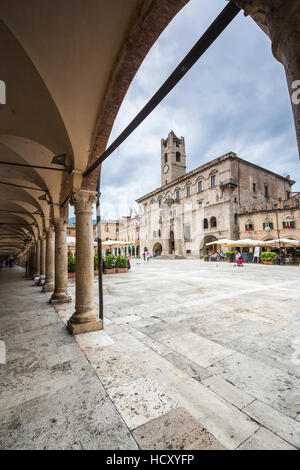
pixel 166 169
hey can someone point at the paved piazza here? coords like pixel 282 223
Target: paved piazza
pixel 194 355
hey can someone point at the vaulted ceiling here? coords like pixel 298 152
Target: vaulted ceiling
pixel 67 65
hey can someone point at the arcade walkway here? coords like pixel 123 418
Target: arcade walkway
pixel 50 396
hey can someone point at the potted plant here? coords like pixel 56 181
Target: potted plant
pixel 206 258
pixel 71 266
pixel 121 264
pixel 268 257
pixel 110 264
pixel 96 263
pixel 229 256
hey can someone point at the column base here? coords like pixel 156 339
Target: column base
pixel 48 287
pixel 60 298
pixel 78 328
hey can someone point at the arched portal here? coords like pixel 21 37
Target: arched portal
pixel 172 243
pixel 204 249
pixel 157 249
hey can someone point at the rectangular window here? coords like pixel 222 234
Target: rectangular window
pixel 213 181
pixel 187 232
pixel 159 202
pixel 289 224
pixel 200 204
pixel 249 227
pixel 200 186
pixel 177 195
pixel 268 226
pixel 288 194
pixel 254 187
pixel 266 191
pixel 188 191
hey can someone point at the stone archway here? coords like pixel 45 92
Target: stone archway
pixel 203 247
pixel 157 249
pixel 172 243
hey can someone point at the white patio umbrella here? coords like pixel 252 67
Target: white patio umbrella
pixel 223 242
pixel 284 242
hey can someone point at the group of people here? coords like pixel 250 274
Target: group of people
pixel 146 256
pixel 220 256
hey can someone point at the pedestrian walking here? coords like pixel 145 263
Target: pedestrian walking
pixel 238 258
pixel 128 262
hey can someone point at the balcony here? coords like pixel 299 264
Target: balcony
pixel 229 183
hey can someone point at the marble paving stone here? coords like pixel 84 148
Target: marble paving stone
pixel 200 350
pixel 229 392
pixel 127 319
pixel 265 440
pixel 120 369
pixel 269 384
pixel 175 430
pixel 140 400
pixel 155 345
pixel 190 367
pixel 94 339
pixel 280 424
pixel 78 416
pixel 123 343
pixel 228 424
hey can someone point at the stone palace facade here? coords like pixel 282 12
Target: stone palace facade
pixel 191 209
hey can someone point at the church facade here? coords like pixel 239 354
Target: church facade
pixel 192 209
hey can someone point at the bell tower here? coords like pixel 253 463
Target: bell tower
pixel 173 158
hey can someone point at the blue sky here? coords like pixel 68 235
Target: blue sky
pixel 234 99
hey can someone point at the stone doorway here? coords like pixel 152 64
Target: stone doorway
pixel 204 249
pixel 172 243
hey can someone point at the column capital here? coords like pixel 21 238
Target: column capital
pixel 83 201
pixel 50 229
pixel 60 224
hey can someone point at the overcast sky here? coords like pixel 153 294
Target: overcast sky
pixel 234 99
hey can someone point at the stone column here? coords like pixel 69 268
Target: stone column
pixel 37 258
pixel 85 317
pixel 61 294
pixel 280 20
pixel 43 257
pixel 49 285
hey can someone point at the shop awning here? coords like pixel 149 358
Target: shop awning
pixel 283 242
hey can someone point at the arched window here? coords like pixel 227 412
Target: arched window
pixel 205 223
pixel 213 222
pixel 235 219
pixel 178 157
pixel 166 157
